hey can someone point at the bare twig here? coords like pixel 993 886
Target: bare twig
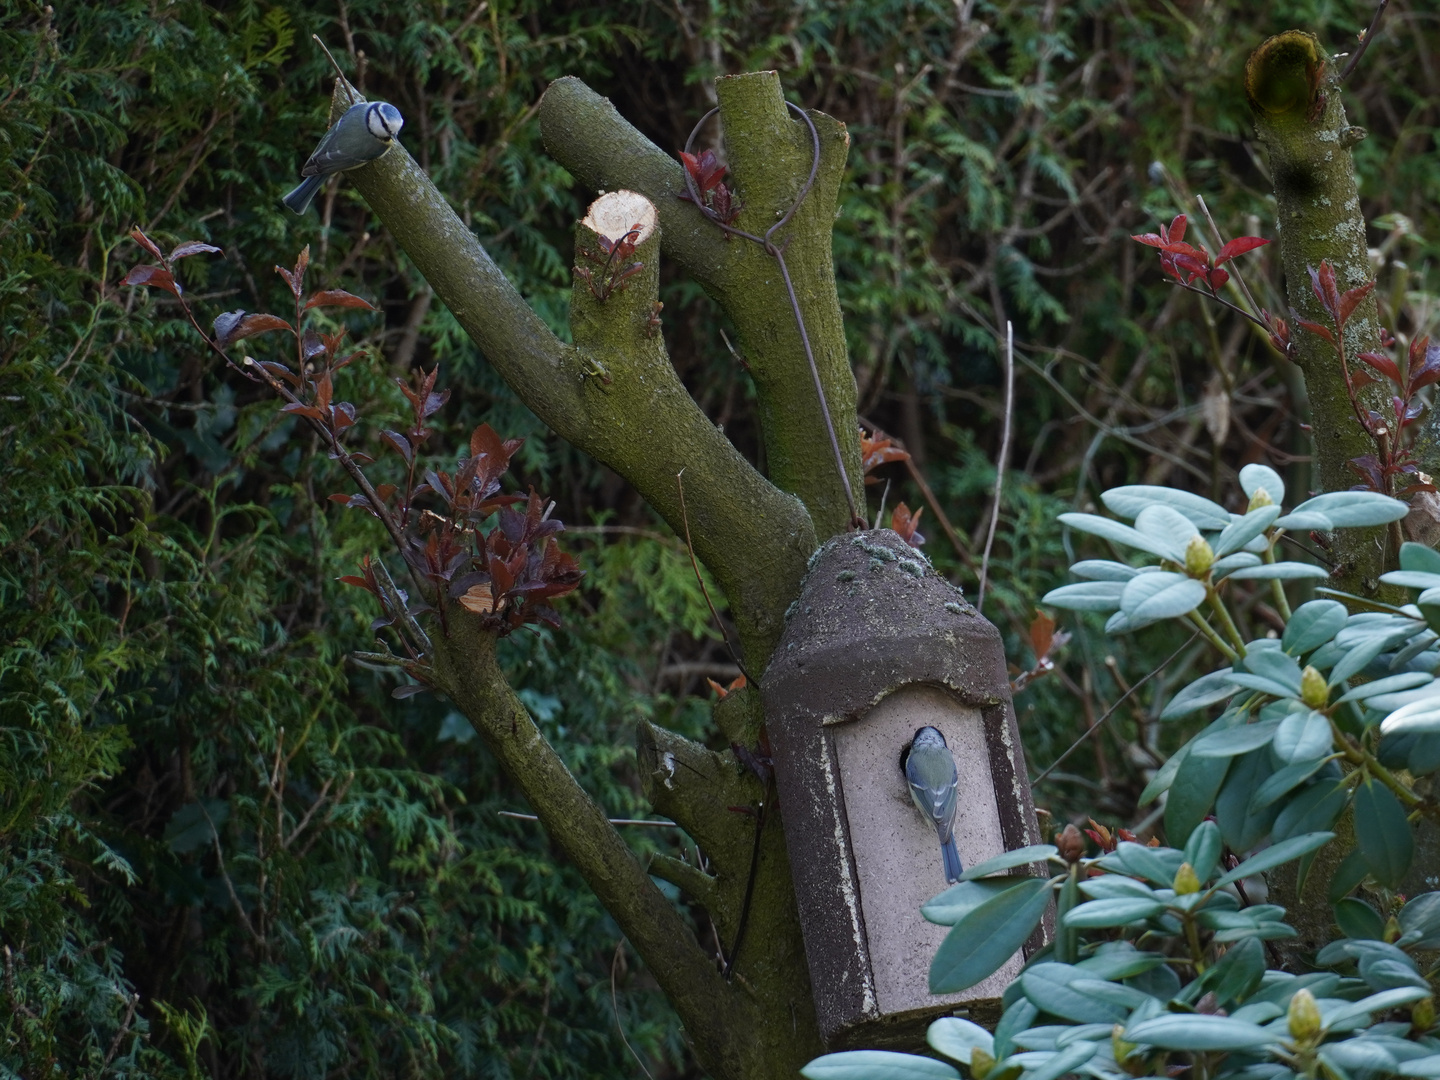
pixel 694 565
pixel 1364 41
pixel 613 820
pixel 119 1035
pixel 749 890
pixel 1095 727
pixel 230 885
pixel 349 90
pixel 615 1005
pixel 1000 462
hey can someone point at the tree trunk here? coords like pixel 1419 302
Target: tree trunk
pixel 1300 118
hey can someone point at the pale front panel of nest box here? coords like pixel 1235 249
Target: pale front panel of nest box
pixel 897 854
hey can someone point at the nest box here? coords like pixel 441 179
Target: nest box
pixel 877 646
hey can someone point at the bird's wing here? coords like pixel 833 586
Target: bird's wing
pixel 945 803
pixel 330 158
pixel 332 154
pixel 932 786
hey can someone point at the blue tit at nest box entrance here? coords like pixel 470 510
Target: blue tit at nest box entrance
pixel 930 769
pixel 365 132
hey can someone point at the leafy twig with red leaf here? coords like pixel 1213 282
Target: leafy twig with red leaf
pixel 1044 640
pixel 1394 435
pixel 876 450
pixel 327 419
pixel 506 577
pixel 709 176
pixel 611 273
pixel 1185 264
pixel 907 525
pixel 722 692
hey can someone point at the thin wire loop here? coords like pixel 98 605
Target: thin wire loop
pixel 777 252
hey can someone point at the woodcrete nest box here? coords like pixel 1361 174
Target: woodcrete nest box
pixel 877 646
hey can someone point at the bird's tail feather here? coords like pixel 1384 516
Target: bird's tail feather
pixel 951 855
pixel 299 199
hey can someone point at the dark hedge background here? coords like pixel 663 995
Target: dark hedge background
pixel 224 850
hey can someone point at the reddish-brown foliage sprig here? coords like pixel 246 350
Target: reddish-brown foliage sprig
pixel 709 176
pixel 1044 640
pixel 609 273
pixel 877 450
pixel 907 525
pixel 1393 469
pixel 1186 263
pixel 450 559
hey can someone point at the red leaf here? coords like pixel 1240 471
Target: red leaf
pixel 1322 284
pixel 1239 246
pixel 311 344
pixel 337 298
pixel 301 409
pixel 1424 363
pixel 907 525
pixel 1367 467
pixel 1383 364
pixel 1352 298
pixel 323 390
pixel 280 371
pixel 400 444
pixel 878 450
pixel 1361 379
pixel 289 279
pixel 1150 239
pixel 1176 232
pixel 258 323
pixel 351 579
pixel 434 403
pixel 1217 279
pixel 145 242
pixel 1316 328
pixel 156 276
pixel 1042 633
pixel 191 247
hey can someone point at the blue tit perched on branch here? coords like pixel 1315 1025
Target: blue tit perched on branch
pixel 365 132
pixel 930 769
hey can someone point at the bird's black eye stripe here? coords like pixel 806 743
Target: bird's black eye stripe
pixel 375 122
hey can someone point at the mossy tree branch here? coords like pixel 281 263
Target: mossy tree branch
pixel 769 154
pixel 464 667
pixel 707 794
pixel 642 423
pixel 1300 118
